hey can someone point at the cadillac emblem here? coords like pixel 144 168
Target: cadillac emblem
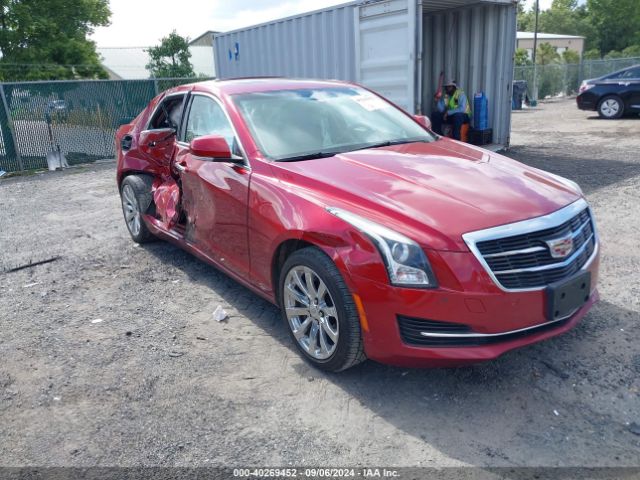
pixel 560 247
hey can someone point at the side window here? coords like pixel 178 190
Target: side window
pixel 631 73
pixel 206 117
pixel 168 114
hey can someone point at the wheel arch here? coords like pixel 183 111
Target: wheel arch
pixel 283 251
pixel 127 173
pixel 147 206
pixel 297 241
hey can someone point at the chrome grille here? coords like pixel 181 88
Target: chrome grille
pixel 518 256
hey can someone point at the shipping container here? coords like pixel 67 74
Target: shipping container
pixel 396 47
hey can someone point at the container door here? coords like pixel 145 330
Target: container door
pixel 387 35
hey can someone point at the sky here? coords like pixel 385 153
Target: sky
pixel 544 4
pixel 142 23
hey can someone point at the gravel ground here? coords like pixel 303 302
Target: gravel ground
pixel 110 355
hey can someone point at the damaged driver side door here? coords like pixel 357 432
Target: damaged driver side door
pixel 215 191
pixel 157 144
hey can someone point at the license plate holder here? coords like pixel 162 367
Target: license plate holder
pixel 566 296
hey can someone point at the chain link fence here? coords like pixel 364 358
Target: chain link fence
pixel 79 118
pixel 565 79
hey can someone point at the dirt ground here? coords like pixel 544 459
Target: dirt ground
pixel 110 355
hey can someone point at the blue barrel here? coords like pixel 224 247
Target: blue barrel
pixel 480 111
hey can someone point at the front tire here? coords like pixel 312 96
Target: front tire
pixel 319 311
pixel 611 107
pixel 135 193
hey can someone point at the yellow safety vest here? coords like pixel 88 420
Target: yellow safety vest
pixel 453 102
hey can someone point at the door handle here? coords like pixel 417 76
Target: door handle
pixel 181 167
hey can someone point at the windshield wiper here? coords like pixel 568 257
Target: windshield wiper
pixel 389 143
pixel 308 156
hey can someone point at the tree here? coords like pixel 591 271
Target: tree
pixel 566 17
pixel 617 23
pixel 171 58
pixel 631 51
pixel 525 19
pixel 549 74
pixel 522 58
pixel 47 39
pixel 609 26
pixel 613 54
pixel 546 54
pixel 593 54
pixel 560 18
pixel 570 57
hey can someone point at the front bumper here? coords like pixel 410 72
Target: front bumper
pixel 503 320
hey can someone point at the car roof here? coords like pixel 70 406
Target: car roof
pixel 257 84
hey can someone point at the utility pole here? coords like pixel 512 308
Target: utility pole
pixel 3 28
pixel 534 102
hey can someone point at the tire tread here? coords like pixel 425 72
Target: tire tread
pixel 355 353
pixel 141 185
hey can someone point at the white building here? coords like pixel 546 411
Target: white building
pixel 561 43
pixel 130 63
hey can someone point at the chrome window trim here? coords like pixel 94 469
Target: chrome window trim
pixel 531 225
pixel 245 158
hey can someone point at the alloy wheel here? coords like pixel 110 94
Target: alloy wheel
pixel 311 312
pixel 131 210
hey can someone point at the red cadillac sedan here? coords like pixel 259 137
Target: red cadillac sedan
pixel 376 237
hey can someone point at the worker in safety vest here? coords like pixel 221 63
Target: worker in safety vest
pixel 452 108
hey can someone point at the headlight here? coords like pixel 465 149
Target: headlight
pixel 406 263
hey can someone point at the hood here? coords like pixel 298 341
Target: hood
pixel 432 192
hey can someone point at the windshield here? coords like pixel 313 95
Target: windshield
pixel 320 122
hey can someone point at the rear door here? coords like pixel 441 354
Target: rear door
pixel 214 194
pixel 387 49
pixel 630 88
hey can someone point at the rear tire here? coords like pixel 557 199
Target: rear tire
pixel 136 196
pixel 319 311
pixel 611 107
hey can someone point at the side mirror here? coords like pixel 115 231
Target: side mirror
pixel 423 120
pixel 214 147
pixel 153 138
